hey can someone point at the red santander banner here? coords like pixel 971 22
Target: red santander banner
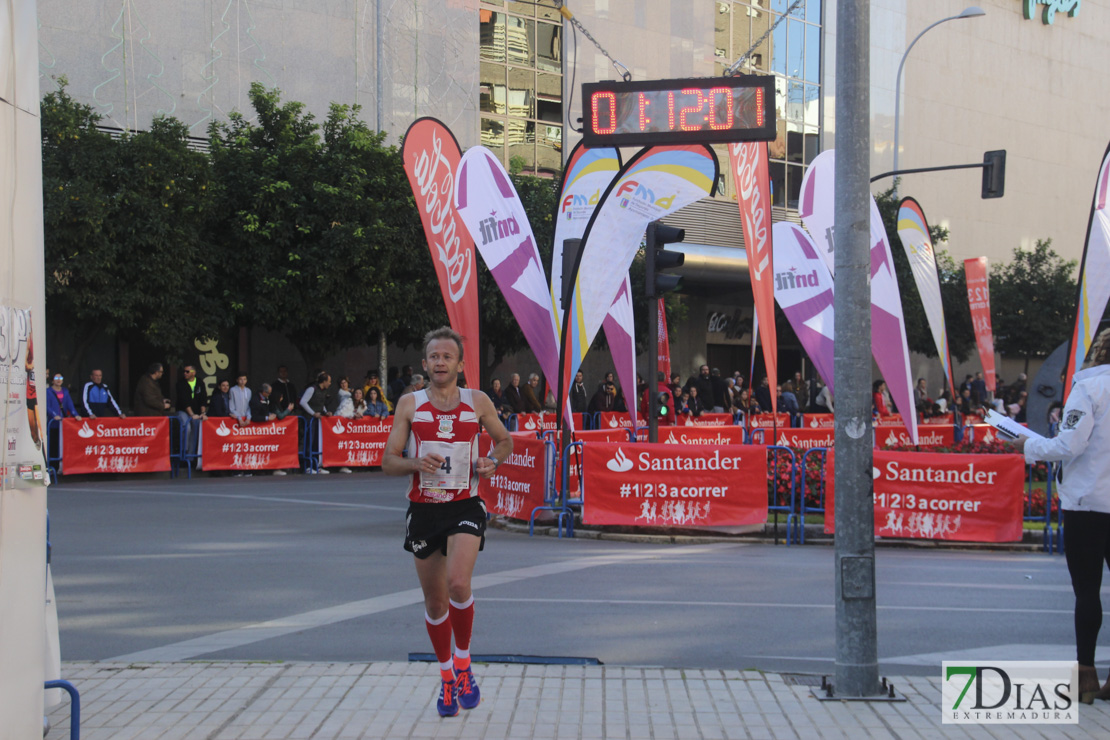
pixel 768 420
pixel 803 438
pixel 979 299
pixel 268 446
pixel 706 420
pixel 730 435
pixel 518 485
pixel 614 420
pixel 353 442
pixel 137 444
pixel 934 496
pixel 431 154
pixel 928 435
pixel 674 485
pixel 753 188
pixel 890 420
pixel 819 421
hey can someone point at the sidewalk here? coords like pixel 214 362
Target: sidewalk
pixel 164 701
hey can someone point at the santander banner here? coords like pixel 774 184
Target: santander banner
pixel 730 435
pixel 928 435
pixel 353 442
pixel 801 438
pixel 490 208
pixel 545 422
pixel 979 298
pixel 614 420
pixel 752 176
pixel 929 495
pixel 138 444
pixel 674 485
pixel 769 420
pixel 803 287
pixel 431 155
pixel 706 420
pixel 819 421
pixel 270 446
pixel 517 486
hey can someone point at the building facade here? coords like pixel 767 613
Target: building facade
pixel 508 75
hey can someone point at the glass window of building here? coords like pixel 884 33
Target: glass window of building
pixel 521 96
pixel 792 53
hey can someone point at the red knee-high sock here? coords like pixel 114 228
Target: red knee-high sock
pixel 440 632
pixel 462 622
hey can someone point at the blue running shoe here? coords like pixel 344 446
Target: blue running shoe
pixel 448 704
pixel 468 693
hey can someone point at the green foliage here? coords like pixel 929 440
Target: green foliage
pixel 1033 302
pixel 124 250
pixel 319 229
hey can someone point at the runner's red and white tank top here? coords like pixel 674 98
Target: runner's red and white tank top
pixel 453 435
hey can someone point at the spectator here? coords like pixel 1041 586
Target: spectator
pixel 528 394
pixel 375 404
pixel 59 403
pixel 605 399
pixel 149 400
pixel 719 389
pixel 979 390
pixel 353 405
pixel 344 395
pixel 620 403
pixel 314 400
pixel 96 399
pixel 703 383
pixel 372 381
pixel 641 385
pixel 694 407
pixel 513 397
pixel 607 379
pixel 497 397
pixel 825 401
pixel 240 404
pixel 763 394
pixel 398 385
pixel 676 386
pixel 965 405
pixel 878 403
pixel 262 408
pixel 220 403
pixel 749 405
pixel 192 405
pixel 579 399
pixel 285 392
pixel 1023 398
pixel 416 383
pixel 789 400
pixel 921 400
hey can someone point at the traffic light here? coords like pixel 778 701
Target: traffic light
pixel 994 173
pixel 662 400
pixel 657 259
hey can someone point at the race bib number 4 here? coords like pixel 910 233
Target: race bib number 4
pixel 454 472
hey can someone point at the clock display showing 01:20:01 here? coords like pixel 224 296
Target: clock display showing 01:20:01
pixel 674 111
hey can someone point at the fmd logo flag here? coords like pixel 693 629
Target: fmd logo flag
pixel 1009 692
pixel 913 230
pixel 1094 275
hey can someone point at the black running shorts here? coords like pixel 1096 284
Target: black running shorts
pixel 427 526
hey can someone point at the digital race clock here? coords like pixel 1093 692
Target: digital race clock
pixel 705 109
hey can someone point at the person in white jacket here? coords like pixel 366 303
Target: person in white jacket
pixel 1083 446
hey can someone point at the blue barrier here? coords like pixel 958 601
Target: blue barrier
pixel 790 508
pixel 554 501
pixel 511 423
pixel 804 508
pixel 54 445
pixel 74 706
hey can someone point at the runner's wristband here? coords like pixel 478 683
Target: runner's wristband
pixel 496 462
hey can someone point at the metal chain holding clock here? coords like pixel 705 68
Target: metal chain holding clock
pixel 736 66
pixel 624 72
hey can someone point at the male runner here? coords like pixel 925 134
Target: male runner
pixel 445 526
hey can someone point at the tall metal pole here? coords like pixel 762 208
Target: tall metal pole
pixel 857 668
pixel 653 339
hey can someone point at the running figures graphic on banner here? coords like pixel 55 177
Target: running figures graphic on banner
pixel 23 463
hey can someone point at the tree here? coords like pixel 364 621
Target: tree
pixel 124 254
pixel 319 228
pixel 953 289
pixel 1032 302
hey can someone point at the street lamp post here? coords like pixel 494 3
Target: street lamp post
pixel 973 12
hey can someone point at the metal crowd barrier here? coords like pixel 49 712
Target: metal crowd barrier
pixel 74 705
